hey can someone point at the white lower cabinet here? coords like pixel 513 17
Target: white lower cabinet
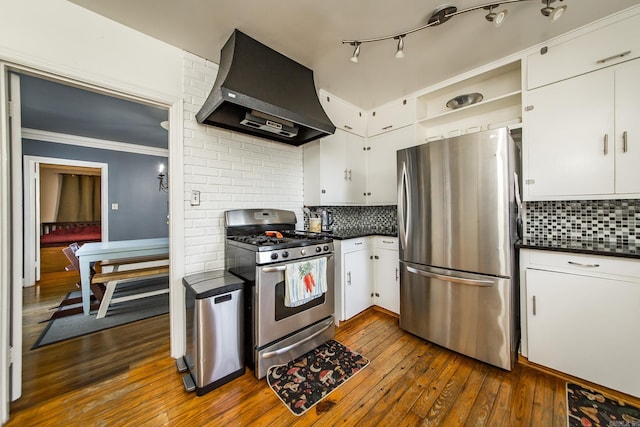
pixel 582 315
pixel 366 274
pixel 387 275
pixel 353 276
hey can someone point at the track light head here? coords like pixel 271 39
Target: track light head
pixel 400 51
pixel 553 13
pixel 356 52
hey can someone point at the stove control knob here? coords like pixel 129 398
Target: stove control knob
pixel 274 256
pixel 318 249
pixel 285 254
pixel 326 248
pixel 303 251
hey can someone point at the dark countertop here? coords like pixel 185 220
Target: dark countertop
pixel 582 247
pixel 354 233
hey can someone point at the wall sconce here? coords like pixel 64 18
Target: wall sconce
pixel 163 185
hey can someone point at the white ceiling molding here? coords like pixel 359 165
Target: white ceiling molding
pixel 102 144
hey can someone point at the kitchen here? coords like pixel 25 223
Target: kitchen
pixel 233 182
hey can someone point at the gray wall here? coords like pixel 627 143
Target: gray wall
pixel 133 185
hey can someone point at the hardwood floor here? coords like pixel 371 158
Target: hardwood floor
pixel 124 376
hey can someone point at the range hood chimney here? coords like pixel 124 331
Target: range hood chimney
pixel 261 92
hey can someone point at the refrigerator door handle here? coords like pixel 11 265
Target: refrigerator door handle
pixel 455 279
pixel 403 197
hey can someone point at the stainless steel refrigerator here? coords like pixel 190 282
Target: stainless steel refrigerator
pixel 457 215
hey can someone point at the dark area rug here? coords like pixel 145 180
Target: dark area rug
pixel 586 407
pixel 76 325
pixel 307 380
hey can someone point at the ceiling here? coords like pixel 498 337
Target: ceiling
pixel 311 32
pixel 56 107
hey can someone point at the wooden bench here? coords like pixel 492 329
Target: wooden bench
pixel 112 278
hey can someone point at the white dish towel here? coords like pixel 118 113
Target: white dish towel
pixel 304 281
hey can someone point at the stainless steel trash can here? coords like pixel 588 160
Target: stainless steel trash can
pixel 215 330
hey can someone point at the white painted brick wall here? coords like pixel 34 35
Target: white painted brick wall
pixel 231 171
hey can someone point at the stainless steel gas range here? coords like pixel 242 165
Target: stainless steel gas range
pixel 260 245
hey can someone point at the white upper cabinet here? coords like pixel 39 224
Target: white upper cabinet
pixel 391 116
pixel 627 135
pixel 344 116
pixel 588 52
pixel 582 137
pixel 382 188
pixel 334 170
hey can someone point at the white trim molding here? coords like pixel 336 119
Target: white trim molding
pixel 83 141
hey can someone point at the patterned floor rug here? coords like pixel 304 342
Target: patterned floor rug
pixel 586 407
pixel 304 382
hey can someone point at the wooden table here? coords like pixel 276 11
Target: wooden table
pixel 91 252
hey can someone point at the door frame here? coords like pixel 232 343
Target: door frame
pixel 32 208
pixel 11 357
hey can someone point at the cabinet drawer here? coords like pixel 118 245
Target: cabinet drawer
pixel 354 244
pixel 591 51
pixel 584 264
pixel 386 242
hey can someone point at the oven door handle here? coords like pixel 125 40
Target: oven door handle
pixel 271 354
pixel 274 269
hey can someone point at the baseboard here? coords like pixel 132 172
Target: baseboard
pixel 635 401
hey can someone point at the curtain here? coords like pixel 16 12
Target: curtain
pixel 79 198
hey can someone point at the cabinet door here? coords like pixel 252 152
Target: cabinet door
pixel 387 292
pixel 391 116
pixel 628 128
pixel 342 171
pixel 597 49
pixel 357 282
pixel 569 138
pixel 382 188
pixel 586 327
pixel 356 170
pixel 344 115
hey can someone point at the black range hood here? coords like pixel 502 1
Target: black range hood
pixel 261 92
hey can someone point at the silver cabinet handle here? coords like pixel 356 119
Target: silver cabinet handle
pixel 397 271
pixel 388 241
pixel 357 243
pixel 349 278
pixel 625 143
pixel 447 278
pixel 345 174
pixel 282 350
pixel 606 144
pixel 274 269
pixel 387 127
pixel 583 265
pixel 534 305
pixel 349 174
pixel 619 55
pixel 348 127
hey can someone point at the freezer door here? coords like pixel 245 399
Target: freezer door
pixel 456 206
pixel 467 313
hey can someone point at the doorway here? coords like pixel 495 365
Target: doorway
pixel 135 164
pixel 47 226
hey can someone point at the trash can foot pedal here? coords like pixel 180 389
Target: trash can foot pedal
pixel 181 365
pixel 189 385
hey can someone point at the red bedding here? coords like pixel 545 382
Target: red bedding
pixel 75 234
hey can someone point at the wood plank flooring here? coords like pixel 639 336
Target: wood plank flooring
pixel 125 376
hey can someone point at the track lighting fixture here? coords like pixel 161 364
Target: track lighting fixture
pixel 400 51
pixel 445 12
